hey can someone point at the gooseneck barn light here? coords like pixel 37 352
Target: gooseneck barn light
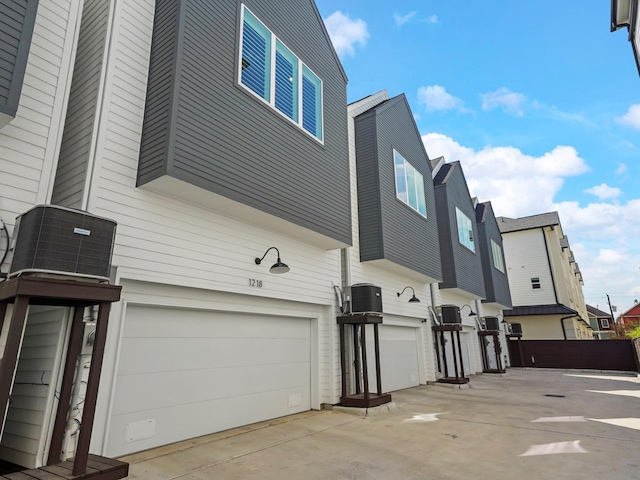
pixel 279 266
pixel 471 312
pixel 413 299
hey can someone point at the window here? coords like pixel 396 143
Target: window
pixel 409 184
pixel 498 262
pixel 604 322
pixel 272 72
pixel 535 283
pixel 465 230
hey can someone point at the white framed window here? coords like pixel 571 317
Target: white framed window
pixel 604 323
pixel 272 72
pixel 498 261
pixel 465 230
pixel 409 184
pixel 535 283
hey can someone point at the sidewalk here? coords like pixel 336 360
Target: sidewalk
pixel 531 424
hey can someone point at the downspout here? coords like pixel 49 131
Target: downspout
pixel 553 280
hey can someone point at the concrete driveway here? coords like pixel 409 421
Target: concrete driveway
pixel 530 424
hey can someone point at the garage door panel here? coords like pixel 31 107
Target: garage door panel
pixel 398 358
pixel 176 323
pixel 186 373
pixel 148 355
pixel 193 386
pixel 193 420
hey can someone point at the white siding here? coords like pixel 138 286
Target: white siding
pixel 526 257
pixel 28 419
pixel 29 144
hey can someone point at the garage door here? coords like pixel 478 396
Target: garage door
pixel 398 358
pixel 185 373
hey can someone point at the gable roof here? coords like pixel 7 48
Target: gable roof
pixel 597 312
pixel 633 311
pixel 507 224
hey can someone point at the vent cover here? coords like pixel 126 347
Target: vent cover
pixel 54 239
pixel 516 328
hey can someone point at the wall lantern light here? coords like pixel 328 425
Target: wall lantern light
pixel 279 266
pixel 413 299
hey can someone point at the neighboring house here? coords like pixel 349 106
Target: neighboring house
pixel 494 270
pixel 462 269
pixel 37 45
pixel 395 233
pixel 601 323
pixel 210 131
pixel 631 318
pixel 544 280
pixel 625 14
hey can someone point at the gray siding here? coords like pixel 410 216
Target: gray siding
pixel 17 19
pixel 71 173
pixel 461 268
pixel 203 128
pixel 389 229
pixel 496 283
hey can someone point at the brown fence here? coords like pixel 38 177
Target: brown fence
pixel 621 355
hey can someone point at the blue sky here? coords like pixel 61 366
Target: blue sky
pixel 538 100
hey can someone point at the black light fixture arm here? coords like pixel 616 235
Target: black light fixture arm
pixel 471 312
pixel 404 289
pixel 259 260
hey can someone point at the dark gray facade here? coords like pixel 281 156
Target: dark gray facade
pixel 461 268
pixel 203 128
pixel 390 229
pixel 496 283
pixel 17 19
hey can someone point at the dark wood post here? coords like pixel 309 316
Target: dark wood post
pixel 376 341
pixel 11 351
pixel 343 358
pixel 460 353
pixel 73 351
pixel 91 397
pixel 356 350
pixel 365 367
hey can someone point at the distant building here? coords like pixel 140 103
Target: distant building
pixel 544 279
pixel 631 318
pixel 601 323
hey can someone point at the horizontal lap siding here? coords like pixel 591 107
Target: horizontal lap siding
pixel 76 142
pixel 496 282
pixel 526 257
pixel 410 239
pixel 163 239
pixel 462 268
pixel 16 28
pixel 34 381
pixel 226 140
pixel 29 144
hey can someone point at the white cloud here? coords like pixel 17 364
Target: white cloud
pixel 604 191
pixel 602 235
pixel 402 19
pixel 435 97
pixel 345 33
pixel 431 19
pixel 631 118
pixel 508 101
pixel 622 168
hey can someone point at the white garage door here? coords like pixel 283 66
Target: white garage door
pixel 185 373
pixel 398 358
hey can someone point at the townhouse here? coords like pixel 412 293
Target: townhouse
pixel 544 279
pixel 601 323
pixel 246 194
